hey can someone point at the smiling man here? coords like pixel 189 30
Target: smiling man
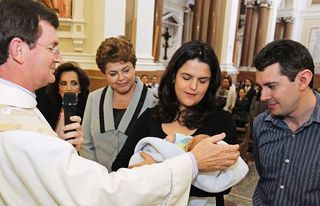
pixel 286 138
pixel 37 167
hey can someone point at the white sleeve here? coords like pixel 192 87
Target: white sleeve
pixel 50 172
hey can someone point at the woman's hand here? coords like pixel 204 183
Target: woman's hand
pixel 72 132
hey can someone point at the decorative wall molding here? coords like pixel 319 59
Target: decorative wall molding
pixel 313 44
pixel 172 21
pixel 179 2
pixel 74 28
pixel 310 14
pixel 172 18
pixel 286 12
pixel 85 60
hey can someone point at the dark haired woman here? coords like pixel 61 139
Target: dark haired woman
pixel 186 105
pixel 69 78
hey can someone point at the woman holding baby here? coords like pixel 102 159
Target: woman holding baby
pixel 186 105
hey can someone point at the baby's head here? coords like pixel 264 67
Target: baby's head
pixel 194 141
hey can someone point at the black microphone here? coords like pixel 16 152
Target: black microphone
pixel 69 104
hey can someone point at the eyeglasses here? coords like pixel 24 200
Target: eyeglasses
pixel 55 50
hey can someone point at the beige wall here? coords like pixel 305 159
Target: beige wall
pixel 94 32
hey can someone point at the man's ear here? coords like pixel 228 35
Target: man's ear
pixel 304 77
pixel 17 50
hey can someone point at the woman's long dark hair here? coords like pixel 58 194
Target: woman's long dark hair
pixel 53 89
pixel 168 105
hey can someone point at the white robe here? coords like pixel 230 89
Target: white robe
pixel 37 168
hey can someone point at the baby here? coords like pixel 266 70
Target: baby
pixel 185 142
pixel 177 144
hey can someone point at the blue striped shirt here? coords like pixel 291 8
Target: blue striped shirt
pixel 287 162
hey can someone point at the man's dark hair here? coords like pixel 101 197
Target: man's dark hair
pixel 20 18
pixel 292 57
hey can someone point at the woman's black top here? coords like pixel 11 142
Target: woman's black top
pixel 147 125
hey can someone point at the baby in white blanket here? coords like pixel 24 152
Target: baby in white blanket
pixel 178 144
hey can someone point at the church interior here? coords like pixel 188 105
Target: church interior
pixel 236 30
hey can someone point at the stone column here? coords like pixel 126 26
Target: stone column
pixel 204 19
pixel 187 25
pixel 262 27
pixel 144 34
pixel 197 16
pixel 214 24
pixel 279 29
pixel 247 34
pixel 288 25
pixel 273 13
pixel 78 36
pixel 114 26
pixel 157 29
pixel 229 33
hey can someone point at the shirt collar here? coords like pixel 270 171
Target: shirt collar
pixel 315 116
pixel 15 95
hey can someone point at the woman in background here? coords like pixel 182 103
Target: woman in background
pixel 240 111
pixel 69 78
pixel 232 94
